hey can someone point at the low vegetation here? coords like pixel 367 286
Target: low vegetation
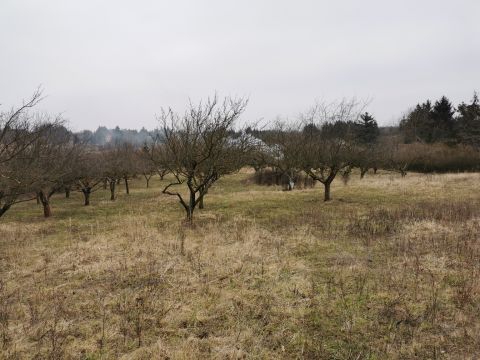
pixel 388 269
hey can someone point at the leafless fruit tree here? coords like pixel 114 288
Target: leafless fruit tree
pixel 145 166
pixel 89 174
pixel 329 147
pixel 55 154
pixel 20 136
pixel 284 152
pixel 198 148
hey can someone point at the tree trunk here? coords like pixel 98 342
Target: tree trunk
pixel 148 182
pixel 201 195
pixel 126 185
pixel 327 190
pixel 86 195
pixel 291 184
pixel 112 190
pixel 191 207
pixel 67 193
pixel 105 184
pixel 38 198
pixel 363 171
pixel 375 170
pixel 47 212
pixel 4 209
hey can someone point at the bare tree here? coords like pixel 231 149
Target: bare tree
pixel 89 174
pixel 20 133
pixel 150 152
pixel 120 161
pixel 55 154
pixel 330 150
pixel 368 156
pixel 162 172
pixel 128 162
pixel 284 152
pixel 112 170
pixel 145 166
pixel 16 183
pixel 17 129
pixel 197 148
pixel 396 156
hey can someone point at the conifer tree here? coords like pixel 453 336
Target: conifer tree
pixel 443 121
pixel 367 129
pixel 468 122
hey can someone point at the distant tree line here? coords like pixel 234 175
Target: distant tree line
pixel 445 138
pixel 440 122
pixel 104 136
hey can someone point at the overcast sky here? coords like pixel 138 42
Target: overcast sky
pixel 117 62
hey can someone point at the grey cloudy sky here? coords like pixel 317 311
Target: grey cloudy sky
pixel 116 62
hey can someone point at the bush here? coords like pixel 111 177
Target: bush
pixel 271 177
pixel 441 158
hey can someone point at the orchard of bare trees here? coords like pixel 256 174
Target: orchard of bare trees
pixel 191 151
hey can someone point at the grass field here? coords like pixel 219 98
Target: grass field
pixel 387 270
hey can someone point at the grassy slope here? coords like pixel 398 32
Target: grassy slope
pixel 388 269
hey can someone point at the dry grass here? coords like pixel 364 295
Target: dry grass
pixel 388 269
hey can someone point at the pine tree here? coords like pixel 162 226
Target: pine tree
pixel 367 129
pixel 310 129
pixel 468 122
pixel 443 121
pixel 417 125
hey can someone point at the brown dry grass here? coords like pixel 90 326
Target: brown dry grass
pixel 388 269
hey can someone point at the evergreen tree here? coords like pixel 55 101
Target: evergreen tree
pixel 310 129
pixel 468 122
pixel 338 129
pixel 101 136
pixel 367 129
pixel 443 121
pixel 417 125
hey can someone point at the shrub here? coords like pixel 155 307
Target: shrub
pixel 441 158
pixel 271 177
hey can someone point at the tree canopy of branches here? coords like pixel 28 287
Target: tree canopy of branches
pixel 18 130
pixel 22 149
pixel 127 162
pixel 54 156
pixel 146 167
pixel 90 174
pixel 284 151
pixel 197 149
pixel 330 150
pixel 112 169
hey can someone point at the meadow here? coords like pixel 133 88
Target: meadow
pixel 389 269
